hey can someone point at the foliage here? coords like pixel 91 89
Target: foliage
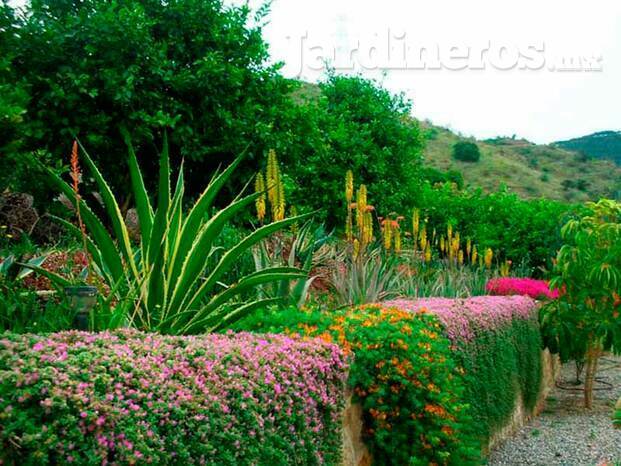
pixel 131 398
pixel 436 279
pixel 617 416
pixel 367 279
pixel 536 289
pixel 526 232
pixel 365 129
pixel 164 283
pixel 402 374
pixel 585 320
pixel 466 151
pixel 23 311
pixel 604 144
pixel 496 340
pixel 301 249
pixel 197 68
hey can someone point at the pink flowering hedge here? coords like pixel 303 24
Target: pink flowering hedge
pixel 134 398
pixel 505 286
pixel 463 318
pixel 497 342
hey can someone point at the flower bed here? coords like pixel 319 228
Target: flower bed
pixel 402 375
pixel 505 286
pixel 497 341
pixel 129 397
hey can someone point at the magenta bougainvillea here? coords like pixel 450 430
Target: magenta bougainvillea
pixel 536 289
pixel 462 317
pixel 134 398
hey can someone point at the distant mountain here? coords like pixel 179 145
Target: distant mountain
pixel 531 170
pixel 602 145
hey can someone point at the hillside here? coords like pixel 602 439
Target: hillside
pixel 602 145
pixel 528 169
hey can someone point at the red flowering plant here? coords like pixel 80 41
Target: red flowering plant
pixel 536 289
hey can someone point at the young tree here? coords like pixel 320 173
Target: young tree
pixel 585 320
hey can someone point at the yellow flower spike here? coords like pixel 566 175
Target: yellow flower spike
pixel 259 186
pixel 468 247
pixel 415 224
pixel 397 235
pixel 423 238
pixel 460 257
pixel 368 228
pixel 361 206
pixel 449 232
pixel 489 255
pixel 356 248
pixel 281 200
pixel 474 255
pixel 349 186
pixel 442 244
pixel 428 254
pixel 387 232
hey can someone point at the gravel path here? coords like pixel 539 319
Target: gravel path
pixel 565 434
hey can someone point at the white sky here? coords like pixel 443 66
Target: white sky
pixel 540 105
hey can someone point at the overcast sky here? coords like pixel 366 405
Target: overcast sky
pixel 465 79
pixel 536 103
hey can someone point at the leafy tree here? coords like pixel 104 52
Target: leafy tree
pixel 585 320
pixel 466 151
pixel 365 129
pixel 196 67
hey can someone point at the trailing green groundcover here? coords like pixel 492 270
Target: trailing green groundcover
pixel 403 376
pixel 497 342
pixel 135 398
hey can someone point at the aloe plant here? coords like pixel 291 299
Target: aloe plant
pixel 165 280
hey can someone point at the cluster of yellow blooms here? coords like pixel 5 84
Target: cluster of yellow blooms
pixel 360 232
pixel 272 185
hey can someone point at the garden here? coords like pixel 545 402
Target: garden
pixel 204 262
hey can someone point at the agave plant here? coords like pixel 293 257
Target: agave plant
pixel 304 250
pixel 165 280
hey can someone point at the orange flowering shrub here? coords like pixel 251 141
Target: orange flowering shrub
pixel 403 375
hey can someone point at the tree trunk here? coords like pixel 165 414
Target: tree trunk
pixel 594 351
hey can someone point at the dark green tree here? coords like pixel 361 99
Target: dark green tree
pixel 195 68
pixel 366 129
pixel 466 151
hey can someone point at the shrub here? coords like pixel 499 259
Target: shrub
pixel 496 340
pixel 466 151
pixel 402 374
pixel 129 397
pixel 198 67
pixel 584 321
pixel 505 286
pixel 526 232
pixel 367 130
pixel 166 284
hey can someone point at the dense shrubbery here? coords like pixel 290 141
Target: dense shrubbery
pixel 466 151
pixel 402 374
pixel 496 340
pixel 524 231
pixel 536 289
pixel 129 397
pixel 195 67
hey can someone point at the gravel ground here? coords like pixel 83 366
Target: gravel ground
pixel 565 433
